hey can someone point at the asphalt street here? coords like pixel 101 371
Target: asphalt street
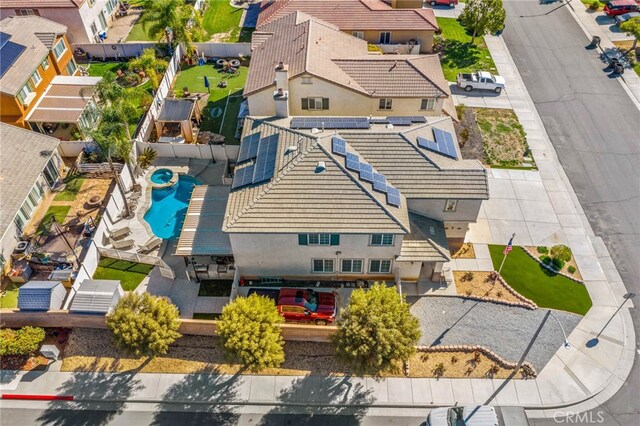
pixel 595 129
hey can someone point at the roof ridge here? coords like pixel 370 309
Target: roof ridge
pixel 423 12
pixel 423 57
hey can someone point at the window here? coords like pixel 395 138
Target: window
pixel 385 37
pixel 450 205
pixel 71 67
pixel 60 48
pixel 319 239
pixel 306 80
pixel 322 266
pixel 35 78
pixel 352 265
pixel 45 64
pixel 385 103
pixel 25 91
pixel 381 240
pixel 358 34
pixel 103 20
pixel 428 104
pixel 111 4
pixel 94 28
pixel 315 104
pixel 25 12
pixel 380 266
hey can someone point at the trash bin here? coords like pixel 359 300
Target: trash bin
pixel 595 41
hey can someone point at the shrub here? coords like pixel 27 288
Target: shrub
pixel 476 356
pixel 493 370
pixel 557 263
pixel 542 250
pixel 250 332
pixel 147 157
pixel 561 252
pixel 571 269
pixel 546 260
pixel 594 5
pixel 144 324
pixel 23 341
pixel 454 359
pixel 376 330
pixel 467 276
pixel 439 370
pixel 468 292
pixel 527 371
pixel 464 135
pixel 499 293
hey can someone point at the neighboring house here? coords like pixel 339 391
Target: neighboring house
pixel 33 51
pixel 85 19
pixel 394 30
pixel 304 66
pixel 30 164
pixel 369 204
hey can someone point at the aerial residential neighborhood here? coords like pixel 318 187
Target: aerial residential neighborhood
pixel 296 212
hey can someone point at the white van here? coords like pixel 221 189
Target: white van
pixel 473 415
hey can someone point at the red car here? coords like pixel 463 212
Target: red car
pixel 450 3
pixel 620 7
pixel 297 305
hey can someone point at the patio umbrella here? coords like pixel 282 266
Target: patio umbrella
pixel 206 83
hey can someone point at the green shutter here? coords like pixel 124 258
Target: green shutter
pixel 303 239
pixel 325 103
pixel 335 239
pixel 305 103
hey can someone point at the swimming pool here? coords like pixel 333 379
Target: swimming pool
pixel 169 207
pixel 161 176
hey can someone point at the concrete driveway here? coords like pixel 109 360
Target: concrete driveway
pixel 445 11
pixel 609 26
pixel 481 98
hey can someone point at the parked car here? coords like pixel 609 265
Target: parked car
pixel 473 415
pixel 299 305
pixel 450 3
pixel 480 80
pixel 625 17
pixel 620 7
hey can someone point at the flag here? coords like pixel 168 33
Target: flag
pixel 509 247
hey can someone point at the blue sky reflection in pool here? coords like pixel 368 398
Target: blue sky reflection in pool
pixel 169 207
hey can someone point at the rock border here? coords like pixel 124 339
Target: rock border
pixel 550 268
pixel 523 301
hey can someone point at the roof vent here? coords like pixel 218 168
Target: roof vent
pixel 389 126
pixel 315 130
pixel 321 167
pixel 291 149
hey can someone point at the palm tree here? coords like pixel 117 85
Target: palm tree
pixel 174 20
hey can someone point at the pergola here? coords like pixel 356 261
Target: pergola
pixel 175 119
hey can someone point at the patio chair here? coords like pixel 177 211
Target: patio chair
pixel 122 244
pixel 119 233
pixel 152 244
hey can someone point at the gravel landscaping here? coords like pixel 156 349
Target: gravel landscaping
pixel 506 331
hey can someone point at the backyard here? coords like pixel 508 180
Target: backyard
pixel 220 115
pixel 546 289
pixel 9 297
pixel 130 274
pixel 459 55
pixel 215 288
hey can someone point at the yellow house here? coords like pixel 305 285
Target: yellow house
pixel 302 65
pixel 34 51
pixel 402 27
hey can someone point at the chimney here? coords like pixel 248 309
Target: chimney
pixel 281 94
pixel 282 76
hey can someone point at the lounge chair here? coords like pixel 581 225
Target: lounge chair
pixel 119 233
pixel 152 244
pixel 122 244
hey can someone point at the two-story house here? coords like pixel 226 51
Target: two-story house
pixel 85 19
pixel 371 204
pixel 393 30
pixel 33 51
pixel 302 65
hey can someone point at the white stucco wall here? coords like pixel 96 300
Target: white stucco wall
pixel 280 255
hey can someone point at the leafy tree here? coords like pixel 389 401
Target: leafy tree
pixel 146 157
pixel 250 333
pixel 376 330
pixel 150 64
pixel 561 252
pixel 632 27
pixel 481 17
pixel 144 324
pixel 24 341
pixel 185 24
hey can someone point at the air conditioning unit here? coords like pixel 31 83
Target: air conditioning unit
pixel 28 99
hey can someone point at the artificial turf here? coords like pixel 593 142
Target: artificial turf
pixel 130 274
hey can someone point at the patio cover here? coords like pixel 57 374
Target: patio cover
pixel 176 110
pixel 427 241
pixel 202 233
pixel 64 100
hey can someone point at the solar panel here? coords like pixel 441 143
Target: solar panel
pixel 418 119
pixel 265 165
pixel 329 123
pixel 249 147
pixel 339 146
pixel 445 143
pixel 427 144
pixel 366 172
pixel 379 182
pixel 353 162
pixel 378 120
pixel 400 121
pixel 9 52
pixel 243 177
pixel 393 196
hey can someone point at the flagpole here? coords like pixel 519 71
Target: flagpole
pixel 505 255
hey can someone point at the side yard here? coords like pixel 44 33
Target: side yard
pixel 130 274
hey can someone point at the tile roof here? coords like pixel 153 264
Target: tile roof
pixel 23 156
pixel 299 198
pixel 38 4
pixel 37 35
pixel 351 14
pixel 41 296
pixel 427 241
pixel 308 46
pixel 418 173
pixel 96 296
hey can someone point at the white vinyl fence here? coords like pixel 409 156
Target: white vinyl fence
pixel 116 51
pixel 226 50
pixel 200 151
pixel 74 148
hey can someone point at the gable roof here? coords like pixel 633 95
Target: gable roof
pixel 41 296
pixel 427 241
pixel 96 296
pixel 300 198
pixel 37 35
pixel 351 14
pixel 309 46
pixel 39 4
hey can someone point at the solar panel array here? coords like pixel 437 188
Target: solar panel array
pixel 9 52
pixel 399 120
pixel 444 143
pixel 265 162
pixel 243 177
pixel 329 123
pixel 339 146
pixel 393 196
pixel 379 182
pixel 353 162
pixel 366 172
pixel 249 147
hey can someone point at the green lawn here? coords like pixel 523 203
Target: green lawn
pixel 100 69
pixel 57 212
pixel 459 55
pixel 70 192
pixel 215 288
pixel 138 33
pixel 223 104
pixel 129 274
pixel 546 289
pixel 10 298
pixel 222 18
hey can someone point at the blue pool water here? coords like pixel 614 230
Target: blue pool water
pixel 161 176
pixel 169 207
